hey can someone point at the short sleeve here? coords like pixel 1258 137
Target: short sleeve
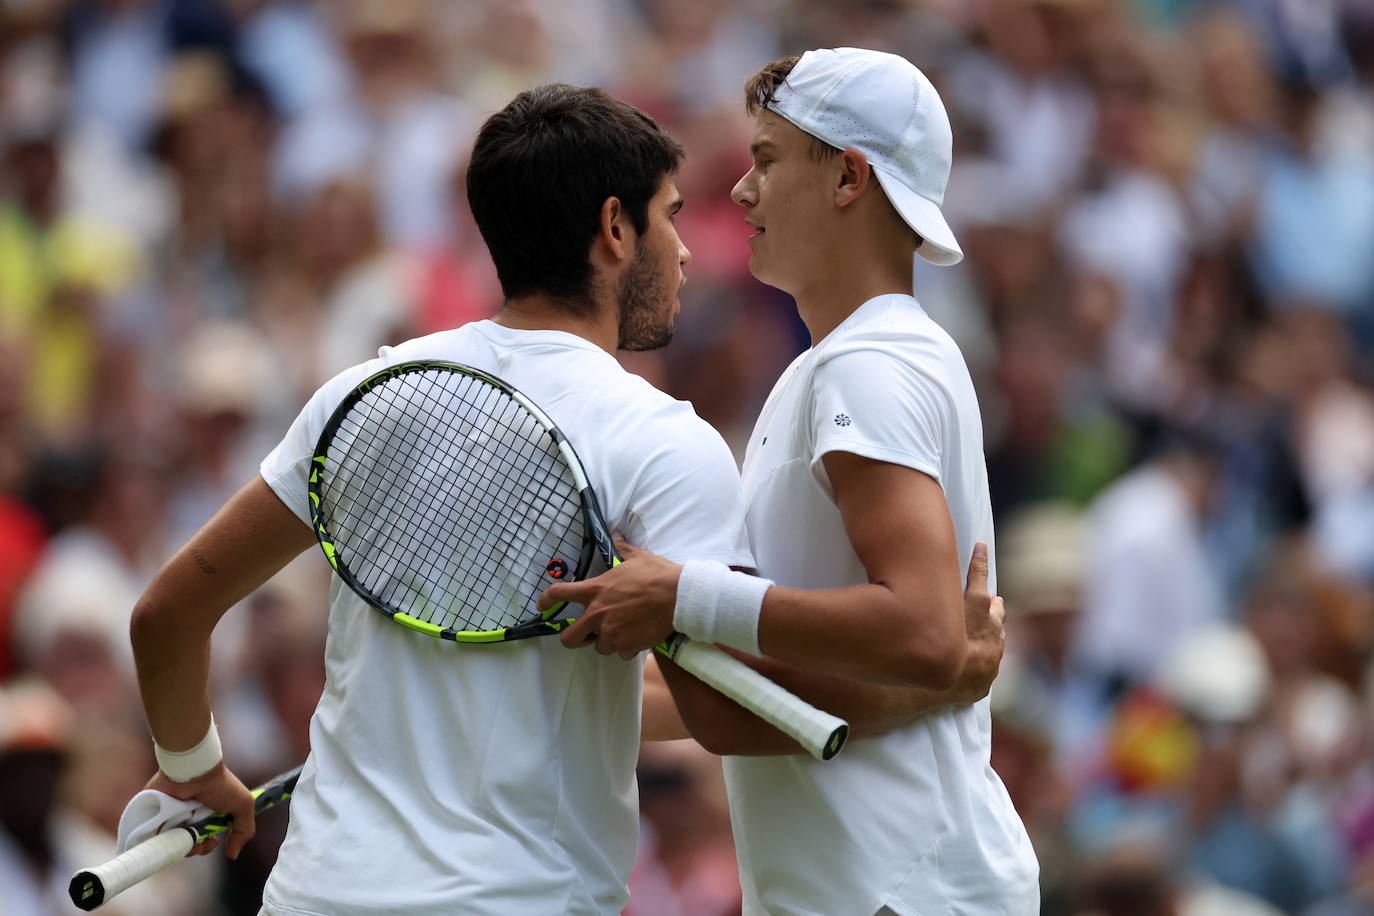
pixel 877 405
pixel 286 468
pixel 686 503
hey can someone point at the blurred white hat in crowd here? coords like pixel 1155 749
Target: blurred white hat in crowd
pixel 884 107
pixel 1041 554
pixel 90 599
pixel 1217 673
pixel 222 369
pixel 33 716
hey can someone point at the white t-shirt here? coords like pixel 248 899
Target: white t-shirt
pixel 915 820
pixel 499 779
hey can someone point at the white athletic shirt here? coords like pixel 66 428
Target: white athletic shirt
pixel 499 779
pixel 915 820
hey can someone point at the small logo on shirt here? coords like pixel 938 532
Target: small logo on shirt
pixel 842 419
pixel 557 569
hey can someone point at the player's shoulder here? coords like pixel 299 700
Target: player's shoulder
pixel 893 333
pixel 438 345
pixel 652 410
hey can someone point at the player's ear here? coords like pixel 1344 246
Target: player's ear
pixel 613 229
pixel 852 176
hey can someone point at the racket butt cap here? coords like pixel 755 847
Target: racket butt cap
pixel 836 742
pixel 86 890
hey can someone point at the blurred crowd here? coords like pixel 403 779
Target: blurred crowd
pixel 209 206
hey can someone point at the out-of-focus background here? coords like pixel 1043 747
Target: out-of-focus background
pixel 206 208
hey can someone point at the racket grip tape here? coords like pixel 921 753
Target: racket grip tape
pixel 92 887
pixel 816 730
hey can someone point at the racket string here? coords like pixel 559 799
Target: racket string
pixel 384 582
pixel 374 511
pixel 491 589
pixel 440 472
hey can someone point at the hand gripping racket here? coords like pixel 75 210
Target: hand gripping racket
pixel 448 501
pixel 92 887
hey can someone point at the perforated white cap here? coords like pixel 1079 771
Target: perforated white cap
pixel 884 107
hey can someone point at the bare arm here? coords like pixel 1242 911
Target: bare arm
pixel 724 727
pixel 659 717
pixel 252 537
pixel 904 627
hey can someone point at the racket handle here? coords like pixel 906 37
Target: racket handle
pixel 816 730
pixel 93 886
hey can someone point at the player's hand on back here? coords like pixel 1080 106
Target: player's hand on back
pixel 985 620
pixel 218 790
pixel 627 609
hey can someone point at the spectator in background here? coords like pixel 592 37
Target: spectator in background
pixel 1141 881
pixel 22 534
pixel 43 839
pixel 1216 677
pixel 1025 96
pixel 1150 583
pixel 1043 561
pixel 1314 216
pixel 397 126
pixel 686 861
pixel 1127 227
pixel 1057 440
pixel 72 616
pixel 34 728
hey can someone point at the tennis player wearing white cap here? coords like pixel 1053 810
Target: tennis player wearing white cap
pixel 866 492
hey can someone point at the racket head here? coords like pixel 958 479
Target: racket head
pixel 448 501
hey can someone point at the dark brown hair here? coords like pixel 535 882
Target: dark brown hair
pixel 760 91
pixel 540 171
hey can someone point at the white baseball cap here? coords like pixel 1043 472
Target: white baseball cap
pixel 884 107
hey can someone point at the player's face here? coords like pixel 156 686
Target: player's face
pixel 648 290
pixel 787 203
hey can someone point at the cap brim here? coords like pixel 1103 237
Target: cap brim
pixel 938 245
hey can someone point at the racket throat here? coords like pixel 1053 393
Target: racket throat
pixel 595 538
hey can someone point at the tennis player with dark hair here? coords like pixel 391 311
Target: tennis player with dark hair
pixel 496 780
pixel 866 496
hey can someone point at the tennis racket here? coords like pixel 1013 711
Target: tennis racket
pixel 93 886
pixel 448 501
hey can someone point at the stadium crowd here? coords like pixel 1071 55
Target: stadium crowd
pixel 207 207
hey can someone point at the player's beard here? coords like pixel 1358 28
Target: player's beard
pixel 644 296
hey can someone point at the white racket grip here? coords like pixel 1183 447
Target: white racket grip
pixel 816 730
pixel 94 886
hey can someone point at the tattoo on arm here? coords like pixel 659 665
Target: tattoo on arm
pixel 204 564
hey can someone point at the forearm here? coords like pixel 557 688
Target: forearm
pixel 868 633
pixel 170 632
pixel 718 723
pixel 173 679
pixel 724 727
pixel 660 719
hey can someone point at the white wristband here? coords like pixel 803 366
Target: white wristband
pixel 715 604
pixel 184 766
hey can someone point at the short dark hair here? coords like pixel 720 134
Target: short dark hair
pixel 761 90
pixel 540 171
